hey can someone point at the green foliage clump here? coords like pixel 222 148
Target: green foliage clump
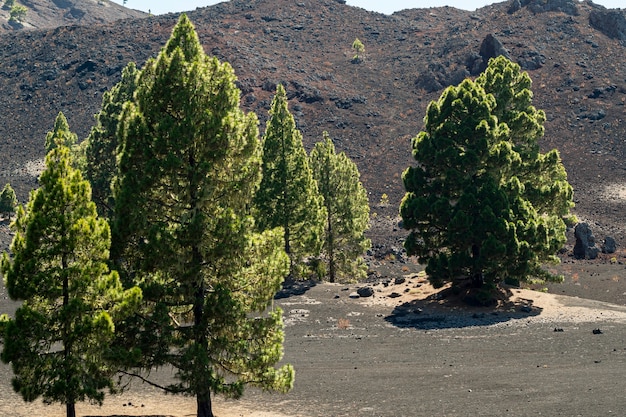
pixel 358 48
pixel 8 201
pixel 189 164
pixel 60 135
pixel 17 13
pixel 102 142
pixel 347 212
pixel 483 203
pixel 57 343
pixel 288 196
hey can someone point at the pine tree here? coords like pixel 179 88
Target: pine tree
pixel 475 205
pixel 58 340
pixel 542 175
pixel 347 211
pixel 189 165
pixel 61 135
pixel 8 201
pixel 101 148
pixel 288 196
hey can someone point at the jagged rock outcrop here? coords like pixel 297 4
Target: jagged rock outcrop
pixel 585 247
pixel 610 22
pixel 541 6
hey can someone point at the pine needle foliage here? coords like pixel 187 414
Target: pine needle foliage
pixel 8 201
pixel 189 166
pixel 57 343
pixel 102 142
pixel 347 212
pixel 482 203
pixel 288 196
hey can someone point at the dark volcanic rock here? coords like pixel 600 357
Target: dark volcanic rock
pixel 609 245
pixel 365 292
pixel 541 6
pixel 585 247
pixel 491 48
pixel 610 22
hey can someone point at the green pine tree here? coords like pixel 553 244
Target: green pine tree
pixel 8 201
pixel 474 206
pixel 189 165
pixel 288 196
pixel 101 148
pixel 347 211
pixel 61 135
pixel 542 175
pixel 58 340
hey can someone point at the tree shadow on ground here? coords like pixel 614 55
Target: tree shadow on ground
pixel 445 310
pixel 292 288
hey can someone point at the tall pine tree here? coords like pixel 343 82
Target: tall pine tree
pixel 189 165
pixel 59 338
pixel 288 196
pixel 347 211
pixel 483 204
pixel 101 148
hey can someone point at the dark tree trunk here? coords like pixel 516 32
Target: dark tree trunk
pixel 204 405
pixel 477 275
pixel 331 249
pixel 70 409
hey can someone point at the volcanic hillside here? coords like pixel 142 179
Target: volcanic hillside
pixel 372 108
pixel 42 14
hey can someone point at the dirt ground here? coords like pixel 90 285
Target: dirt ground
pixel 408 351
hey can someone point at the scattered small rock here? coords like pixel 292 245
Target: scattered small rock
pixel 365 292
pixel 399 280
pixel 597 331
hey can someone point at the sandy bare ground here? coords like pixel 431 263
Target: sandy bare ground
pixel 361 346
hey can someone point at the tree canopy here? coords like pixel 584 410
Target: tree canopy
pixel 483 203
pixel 347 211
pixel 189 165
pixel 8 201
pixel 288 196
pixel 58 341
pixel 101 147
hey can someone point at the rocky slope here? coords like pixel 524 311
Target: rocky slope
pixel 371 108
pixel 43 14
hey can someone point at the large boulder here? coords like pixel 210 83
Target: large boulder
pixel 585 247
pixel 490 48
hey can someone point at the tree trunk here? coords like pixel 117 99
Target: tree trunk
pixel 204 405
pixel 70 409
pixel 477 274
pixel 331 249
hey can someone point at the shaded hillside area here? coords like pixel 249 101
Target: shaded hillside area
pixel 371 108
pixel 41 14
